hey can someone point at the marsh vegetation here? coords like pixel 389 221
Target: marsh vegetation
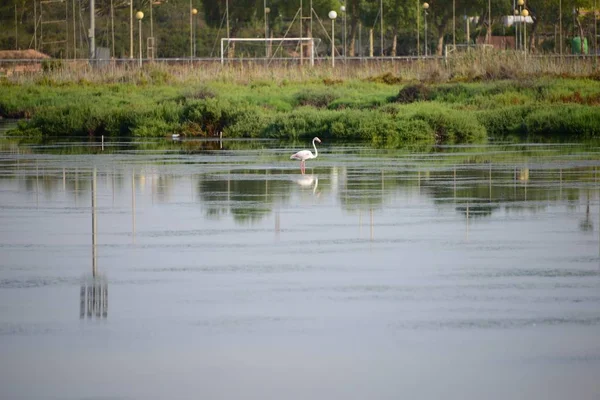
pixel 465 100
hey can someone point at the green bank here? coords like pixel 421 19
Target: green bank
pixel 382 111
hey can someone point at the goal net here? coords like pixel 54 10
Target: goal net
pixel 268 49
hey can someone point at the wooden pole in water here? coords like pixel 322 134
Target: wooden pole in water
pixel 94 265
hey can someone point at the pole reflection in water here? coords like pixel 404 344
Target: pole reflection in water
pixel 372 229
pixel 277 225
pixel 560 185
pixel 94 298
pixel 359 224
pixel 467 224
pixel 37 185
pixel 455 184
pixel 76 186
pixel 113 187
pixel 94 265
pixel 93 294
pixel 133 206
pixel 490 184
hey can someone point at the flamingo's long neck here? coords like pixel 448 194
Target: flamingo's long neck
pixel 316 151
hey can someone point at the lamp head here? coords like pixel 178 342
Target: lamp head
pixel 332 15
pixel 139 15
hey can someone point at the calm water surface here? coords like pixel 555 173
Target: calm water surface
pixel 220 272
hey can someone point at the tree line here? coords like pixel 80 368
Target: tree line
pixel 363 27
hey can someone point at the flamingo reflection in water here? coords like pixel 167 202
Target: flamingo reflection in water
pixel 304 155
pixel 309 181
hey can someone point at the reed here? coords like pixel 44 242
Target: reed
pixel 473 66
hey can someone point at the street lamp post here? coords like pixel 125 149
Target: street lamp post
pixel 454 24
pixel 194 13
pixel 489 30
pixel 381 25
pixel 131 29
pixel 191 30
pixel 343 8
pixel 520 3
pixel 516 24
pixel 151 20
pixel 139 15
pixel 525 14
pixel 92 34
pixel 267 11
pixel 418 30
pixel 425 7
pixel 560 26
pixel 332 16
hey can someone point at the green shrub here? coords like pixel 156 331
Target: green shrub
pixel 211 115
pixel 359 101
pixel 412 93
pixel 450 126
pixel 314 98
pixel 200 93
pixel 52 65
pixel 565 121
pixel 247 122
pixel 454 93
pixel 407 131
pixel 504 121
pixel 388 78
pixel 158 75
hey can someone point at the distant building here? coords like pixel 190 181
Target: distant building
pixel 510 20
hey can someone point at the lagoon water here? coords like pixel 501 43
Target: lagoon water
pixel 205 269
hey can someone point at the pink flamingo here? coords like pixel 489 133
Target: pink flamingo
pixel 304 155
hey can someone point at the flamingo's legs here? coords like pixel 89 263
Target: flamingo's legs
pixel 302 167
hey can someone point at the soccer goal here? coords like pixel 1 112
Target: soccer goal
pixel 450 49
pixel 269 48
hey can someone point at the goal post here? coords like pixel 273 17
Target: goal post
pixel 225 42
